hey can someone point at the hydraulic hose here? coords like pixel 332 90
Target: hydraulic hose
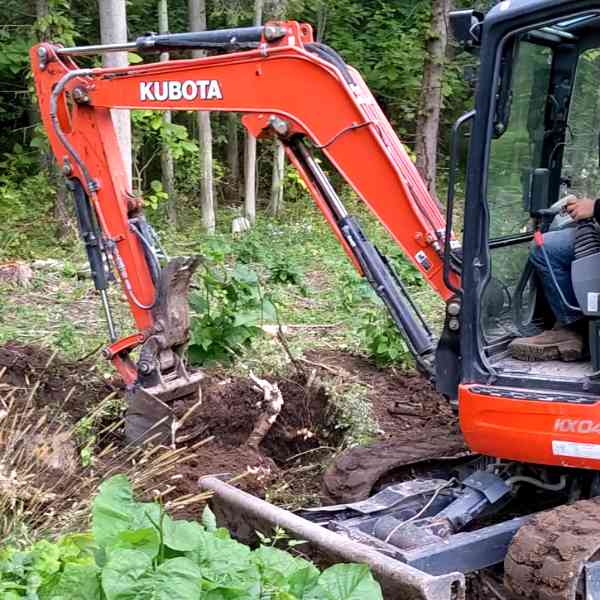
pixel 56 92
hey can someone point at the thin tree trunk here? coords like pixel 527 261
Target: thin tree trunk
pixel 63 222
pixel 430 103
pixel 166 158
pixel 277 179
pixel 233 155
pixel 113 30
pixel 250 149
pixel 197 18
pixel 41 9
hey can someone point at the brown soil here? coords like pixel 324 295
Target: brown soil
pixel 401 401
pixel 291 458
pixel 25 366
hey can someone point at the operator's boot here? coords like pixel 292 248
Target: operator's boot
pixel 559 343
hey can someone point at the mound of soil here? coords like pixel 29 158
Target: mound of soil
pixel 291 458
pixel 401 402
pixel 226 418
pixel 24 367
pixel 230 408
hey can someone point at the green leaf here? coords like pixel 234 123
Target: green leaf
pixel 114 511
pixel 303 581
pixel 277 567
pixel 346 582
pixel 124 577
pixel 46 559
pixel 134 58
pixel 209 520
pixel 182 536
pixel 248 317
pixel 224 561
pixel 145 540
pixel 176 579
pixel 129 576
pixel 244 274
pixel 76 582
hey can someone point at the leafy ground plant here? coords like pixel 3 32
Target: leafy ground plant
pixel 228 314
pixel 381 338
pixel 137 551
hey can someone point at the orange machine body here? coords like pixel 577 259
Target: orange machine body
pixel 516 425
pixel 279 80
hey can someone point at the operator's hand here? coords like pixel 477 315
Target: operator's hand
pixel 580 208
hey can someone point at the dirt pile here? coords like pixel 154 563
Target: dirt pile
pixel 73 388
pixel 289 461
pixel 231 407
pixel 36 380
pixel 401 402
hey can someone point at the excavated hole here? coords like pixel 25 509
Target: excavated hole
pixel 231 407
pixel 303 434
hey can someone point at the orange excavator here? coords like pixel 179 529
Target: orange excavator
pixel 520 502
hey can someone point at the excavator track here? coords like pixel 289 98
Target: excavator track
pixel 353 475
pixel 546 558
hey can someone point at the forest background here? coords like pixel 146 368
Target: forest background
pixel 199 172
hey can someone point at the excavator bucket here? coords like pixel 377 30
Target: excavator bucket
pixel 164 378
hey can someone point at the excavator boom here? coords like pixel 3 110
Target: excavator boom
pixel 285 85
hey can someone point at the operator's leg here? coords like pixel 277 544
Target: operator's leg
pixel 560 248
pixel 563 341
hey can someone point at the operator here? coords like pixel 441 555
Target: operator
pixel 565 341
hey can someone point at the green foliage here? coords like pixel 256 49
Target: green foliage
pixel 353 415
pixel 24 200
pixel 155 195
pixel 381 339
pixel 136 551
pixel 250 250
pixel 228 314
pixel 284 270
pixel 354 290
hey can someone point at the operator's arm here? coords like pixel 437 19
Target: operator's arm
pixel 583 208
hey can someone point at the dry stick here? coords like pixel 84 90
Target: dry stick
pixel 91 353
pixel 322 366
pixel 274 404
pixel 284 343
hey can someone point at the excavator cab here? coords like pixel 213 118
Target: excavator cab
pixel 534 142
pixel 543 148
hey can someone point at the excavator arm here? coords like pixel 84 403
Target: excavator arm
pixel 285 85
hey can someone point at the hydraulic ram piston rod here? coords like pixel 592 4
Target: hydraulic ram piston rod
pixel 375 266
pixel 402 581
pixel 219 39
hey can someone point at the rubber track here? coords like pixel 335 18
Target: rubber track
pixel 546 557
pixel 355 472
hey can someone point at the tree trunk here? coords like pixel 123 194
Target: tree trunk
pixel 233 156
pixel 277 181
pixel 166 158
pixel 430 103
pixel 64 225
pixel 250 149
pixel 113 30
pixel 41 9
pixel 197 18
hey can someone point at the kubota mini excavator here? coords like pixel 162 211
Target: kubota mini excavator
pixel 533 429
